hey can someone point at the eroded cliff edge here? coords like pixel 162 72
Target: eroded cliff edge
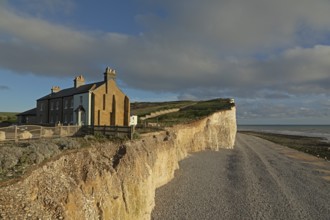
pixel 113 182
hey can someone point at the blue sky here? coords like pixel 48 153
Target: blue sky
pixel 273 57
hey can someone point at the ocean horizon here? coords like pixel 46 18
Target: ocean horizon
pixel 322 131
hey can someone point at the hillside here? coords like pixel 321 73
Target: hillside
pixel 8 116
pixel 189 110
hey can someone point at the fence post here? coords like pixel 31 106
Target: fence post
pixel 16 138
pixel 40 131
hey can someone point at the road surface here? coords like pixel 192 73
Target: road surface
pixel 256 180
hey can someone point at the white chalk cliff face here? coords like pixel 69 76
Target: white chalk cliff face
pixel 109 181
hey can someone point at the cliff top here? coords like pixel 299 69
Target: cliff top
pixel 189 110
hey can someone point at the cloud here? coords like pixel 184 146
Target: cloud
pixel 3 87
pixel 195 49
pixel 42 8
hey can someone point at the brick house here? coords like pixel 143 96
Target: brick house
pixel 99 103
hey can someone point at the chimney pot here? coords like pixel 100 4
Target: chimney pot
pixel 55 89
pixel 79 81
pixel 109 74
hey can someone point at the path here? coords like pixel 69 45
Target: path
pixel 256 180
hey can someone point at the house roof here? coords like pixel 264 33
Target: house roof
pixel 31 112
pixel 72 91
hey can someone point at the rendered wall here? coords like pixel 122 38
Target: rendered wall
pixel 109 105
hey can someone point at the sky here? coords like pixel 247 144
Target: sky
pixel 272 57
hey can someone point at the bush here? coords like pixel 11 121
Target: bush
pixel 9 157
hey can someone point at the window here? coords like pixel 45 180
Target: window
pixel 52 106
pixel 103 101
pixel 81 100
pixel 65 104
pixel 57 105
pixel 65 119
pixel 41 107
pixel 52 119
pixel 71 103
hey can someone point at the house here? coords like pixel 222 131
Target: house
pixel 99 103
pixel 27 117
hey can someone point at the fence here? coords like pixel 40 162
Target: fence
pixel 111 131
pixel 24 132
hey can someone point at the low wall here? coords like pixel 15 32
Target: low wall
pixel 112 182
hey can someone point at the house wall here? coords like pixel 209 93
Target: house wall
pixel 42 112
pixel 67 111
pixel 84 100
pixel 55 111
pixel 27 119
pixel 111 105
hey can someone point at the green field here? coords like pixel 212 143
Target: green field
pixel 189 110
pixel 8 117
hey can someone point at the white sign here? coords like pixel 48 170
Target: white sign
pixel 133 120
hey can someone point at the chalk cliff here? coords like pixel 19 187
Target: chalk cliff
pixel 112 182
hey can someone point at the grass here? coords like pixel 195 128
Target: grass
pixel 312 145
pixel 190 111
pixel 144 108
pixel 8 117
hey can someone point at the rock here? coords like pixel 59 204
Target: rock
pixel 2 135
pixel 25 135
pixel 47 133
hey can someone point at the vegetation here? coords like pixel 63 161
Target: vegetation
pixel 189 110
pixel 312 145
pixel 144 108
pixel 8 117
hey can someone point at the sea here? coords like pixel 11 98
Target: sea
pixel 301 130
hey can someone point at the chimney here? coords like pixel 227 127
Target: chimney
pixel 109 74
pixel 55 89
pixel 79 81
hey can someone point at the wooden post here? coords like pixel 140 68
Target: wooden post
pixel 131 133
pixel 16 138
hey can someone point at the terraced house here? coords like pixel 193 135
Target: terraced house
pixel 99 103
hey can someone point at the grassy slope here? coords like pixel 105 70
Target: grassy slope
pixel 190 110
pixel 8 116
pixel 144 108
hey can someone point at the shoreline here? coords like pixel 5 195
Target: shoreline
pixel 320 131
pixel 316 146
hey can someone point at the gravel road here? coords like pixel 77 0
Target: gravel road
pixel 256 180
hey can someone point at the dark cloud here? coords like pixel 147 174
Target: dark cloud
pixel 2 87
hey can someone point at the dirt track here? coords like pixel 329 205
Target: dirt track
pixel 256 180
